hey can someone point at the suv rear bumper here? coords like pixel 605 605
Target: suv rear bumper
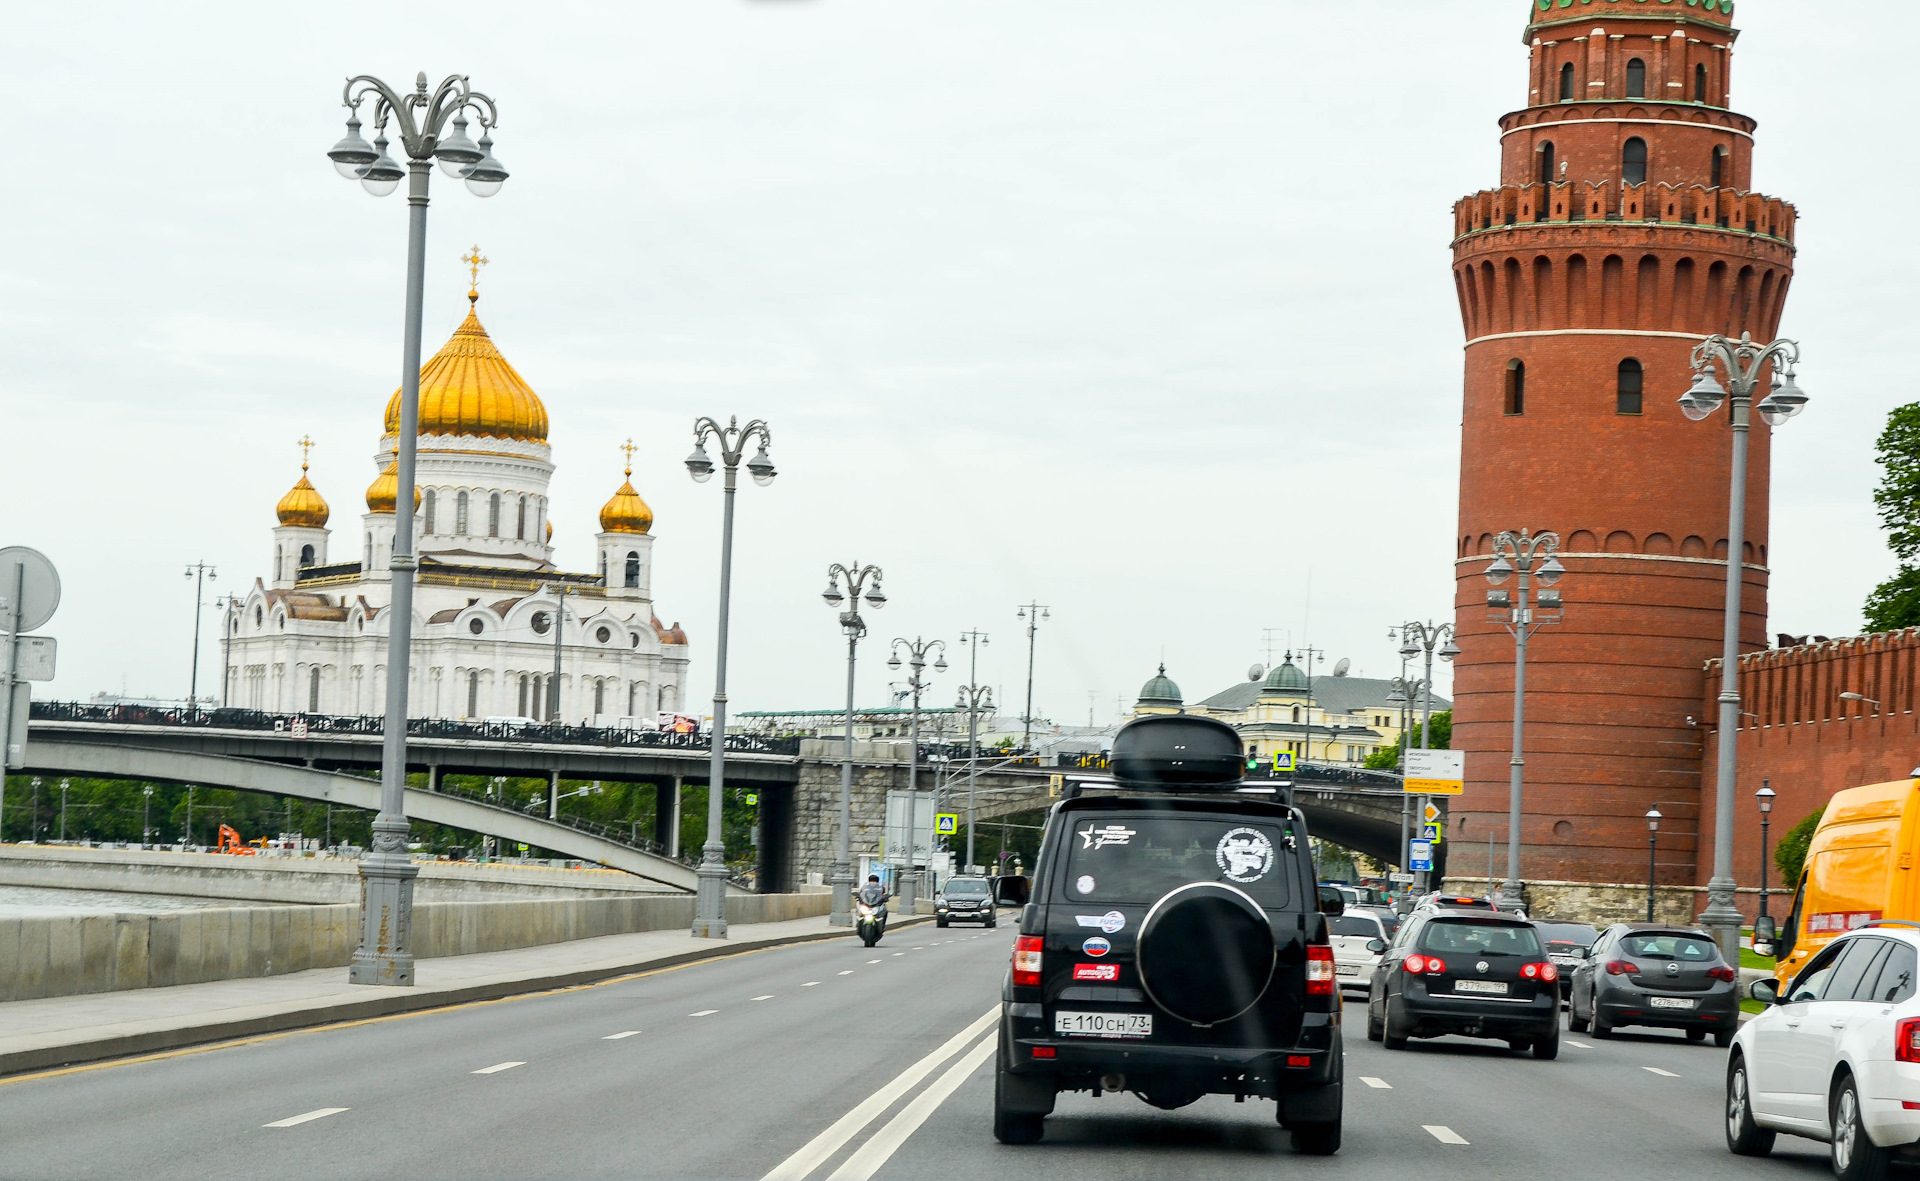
pixel 1710 1012
pixel 1078 1063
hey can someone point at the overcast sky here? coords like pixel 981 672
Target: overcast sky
pixel 1143 310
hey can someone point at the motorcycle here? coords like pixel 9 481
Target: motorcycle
pixel 870 922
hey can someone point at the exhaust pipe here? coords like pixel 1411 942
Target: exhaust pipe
pixel 1112 1084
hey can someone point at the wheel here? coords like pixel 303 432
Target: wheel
pixel 1388 1038
pixel 1723 1038
pixel 1601 1028
pixel 1744 1137
pixel 1375 1030
pixel 1696 1035
pixel 1855 1157
pixel 1575 1022
pixel 869 940
pixel 1519 1045
pixel 1548 1048
pixel 940 922
pixel 1013 1127
pixel 992 923
pixel 1316 1139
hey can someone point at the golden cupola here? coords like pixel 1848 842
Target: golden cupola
pixel 384 492
pixel 468 388
pixel 626 512
pixel 303 506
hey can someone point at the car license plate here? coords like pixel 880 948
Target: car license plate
pixel 1347 969
pixel 1128 1025
pixel 1488 987
pixel 1669 1002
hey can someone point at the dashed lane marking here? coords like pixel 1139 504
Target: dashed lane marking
pixel 810 984
pixel 1378 1084
pixel 767 997
pixel 873 961
pixel 1444 1134
pixel 1581 1045
pixel 309 1117
pixel 848 972
pixel 899 953
pixel 704 1013
pixel 497 1067
pixel 614 1037
pixel 1658 1071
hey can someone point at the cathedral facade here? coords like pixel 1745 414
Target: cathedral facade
pixel 312 636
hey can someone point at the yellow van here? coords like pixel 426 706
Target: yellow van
pixel 1859 868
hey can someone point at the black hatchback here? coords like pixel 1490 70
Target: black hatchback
pixel 1175 946
pixel 1663 977
pixel 1475 973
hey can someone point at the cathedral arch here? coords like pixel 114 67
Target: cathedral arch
pixel 1621 542
pixel 460 513
pixel 1693 547
pixel 1582 541
pixel 493 515
pixel 1658 543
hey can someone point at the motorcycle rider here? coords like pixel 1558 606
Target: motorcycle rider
pixel 875 895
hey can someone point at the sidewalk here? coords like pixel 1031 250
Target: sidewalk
pixel 64 1031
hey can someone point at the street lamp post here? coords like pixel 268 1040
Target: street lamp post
pixel 1653 835
pixel 710 906
pixel 917 651
pixel 146 814
pixel 202 574
pixel 420 118
pixel 64 784
pixel 1033 613
pixel 1764 797
pixel 1403 693
pixel 1744 361
pixel 1430 639
pixel 973 697
pixel 560 594
pixel 854 627
pixel 1521 552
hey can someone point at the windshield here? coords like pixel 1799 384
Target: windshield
pixel 967 888
pixel 1466 937
pixel 1350 924
pixel 1688 949
pixel 1139 856
pixel 1567 934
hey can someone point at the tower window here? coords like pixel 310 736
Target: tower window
pixel 1636 79
pixel 306 556
pixel 432 500
pixel 279 562
pixel 1627 400
pixel 633 568
pixel 1513 399
pixel 1633 161
pixel 1566 83
pixel 460 514
pixel 1546 163
pixel 493 515
pixel 1700 84
pixel 1719 172
pixel 520 530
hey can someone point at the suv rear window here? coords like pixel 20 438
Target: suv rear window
pixel 1138 857
pixel 1469 937
pixel 1688 949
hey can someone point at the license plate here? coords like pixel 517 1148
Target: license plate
pixel 1488 987
pixel 1669 1002
pixel 1346 969
pixel 1126 1025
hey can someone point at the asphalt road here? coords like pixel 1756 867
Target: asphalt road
pixel 823 1061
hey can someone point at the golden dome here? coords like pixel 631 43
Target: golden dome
pixel 626 512
pixel 468 388
pixel 303 505
pixel 385 491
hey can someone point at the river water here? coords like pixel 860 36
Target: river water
pixel 30 901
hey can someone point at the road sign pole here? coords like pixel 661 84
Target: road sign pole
pixel 15 751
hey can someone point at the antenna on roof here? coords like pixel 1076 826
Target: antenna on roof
pixel 1340 669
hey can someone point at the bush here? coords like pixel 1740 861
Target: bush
pixel 1790 855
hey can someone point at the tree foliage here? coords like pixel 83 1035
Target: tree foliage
pixel 1790 855
pixel 1387 758
pixel 1895 603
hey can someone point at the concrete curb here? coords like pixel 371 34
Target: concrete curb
pixel 207 1032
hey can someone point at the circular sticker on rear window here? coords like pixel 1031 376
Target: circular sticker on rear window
pixel 1085 884
pixel 1244 854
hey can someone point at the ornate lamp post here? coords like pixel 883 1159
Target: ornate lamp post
pixel 1533 555
pixel 1431 639
pixel 202 574
pixel 1764 797
pixel 1744 361
pixel 1653 835
pixel 420 119
pixel 710 907
pixel 855 628
pixel 917 651
pixel 1033 613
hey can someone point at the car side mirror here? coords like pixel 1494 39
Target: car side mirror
pixel 1332 902
pixel 1581 953
pixel 1764 931
pixel 1765 990
pixel 1376 946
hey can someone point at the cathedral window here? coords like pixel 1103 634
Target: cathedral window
pixel 460 514
pixel 473 694
pixel 493 515
pixel 1633 161
pixel 306 556
pixel 633 691
pixel 432 500
pixel 366 563
pixel 1636 79
pixel 475 626
pixel 313 690
pixel 1719 169
pixel 1566 83
pixel 633 568
pixel 520 530
pixel 603 567
pixel 1627 399
pixel 1700 84
pixel 259 620
pixel 1546 163
pixel 521 712
pixel 599 698
pixel 1513 394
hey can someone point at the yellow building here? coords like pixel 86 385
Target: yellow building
pixel 1332 719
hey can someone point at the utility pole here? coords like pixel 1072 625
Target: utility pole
pixel 1033 613
pixel 201 573
pixel 972 696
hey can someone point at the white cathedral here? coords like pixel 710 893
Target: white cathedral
pixel 312 637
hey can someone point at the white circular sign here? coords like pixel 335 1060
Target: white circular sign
pixel 29 572
pixel 1085 884
pixel 1244 854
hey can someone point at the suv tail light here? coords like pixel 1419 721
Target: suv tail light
pixel 1026 961
pixel 1906 1040
pixel 1431 965
pixel 1319 970
pixel 1548 971
pixel 1723 972
pixel 1622 968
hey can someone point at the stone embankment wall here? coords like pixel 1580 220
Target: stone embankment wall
pixel 1603 903
pixel 69 954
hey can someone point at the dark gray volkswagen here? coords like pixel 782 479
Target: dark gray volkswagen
pixel 1175 946
pixel 1476 973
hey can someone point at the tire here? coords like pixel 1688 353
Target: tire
pixel 1744 1137
pixel 1375 1030
pixel 1723 1038
pixel 1519 1045
pixel 1575 1022
pixel 1012 1127
pixel 941 923
pixel 1546 1049
pixel 1316 1139
pixel 1696 1035
pixel 1854 1156
pixel 992 923
pixel 1601 1029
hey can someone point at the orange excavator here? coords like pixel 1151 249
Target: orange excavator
pixel 230 842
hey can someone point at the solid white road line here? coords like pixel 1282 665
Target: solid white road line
pixel 614 1037
pixel 867 1159
pixel 1658 1071
pixel 704 1013
pixel 767 997
pixel 497 1067
pixel 1444 1134
pixel 1378 1084
pixel 317 1113
pixel 818 1150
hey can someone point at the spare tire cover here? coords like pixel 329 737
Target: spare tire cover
pixel 1205 953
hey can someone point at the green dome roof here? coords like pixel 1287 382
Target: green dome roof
pixel 1160 691
pixel 1287 678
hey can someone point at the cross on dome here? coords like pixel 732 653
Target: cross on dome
pixel 629 448
pixel 306 446
pixel 474 260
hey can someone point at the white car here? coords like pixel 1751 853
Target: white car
pixel 1838 1057
pixel 1359 939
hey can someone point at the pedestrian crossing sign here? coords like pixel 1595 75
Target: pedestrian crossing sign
pixel 946 824
pixel 1430 833
pixel 1283 760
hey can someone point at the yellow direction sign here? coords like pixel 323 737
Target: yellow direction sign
pixel 946 824
pixel 1435 772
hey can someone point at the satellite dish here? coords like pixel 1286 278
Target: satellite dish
pixel 1340 670
pixel 1256 672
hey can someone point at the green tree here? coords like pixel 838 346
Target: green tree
pixel 1895 603
pixel 1387 758
pixel 1790 855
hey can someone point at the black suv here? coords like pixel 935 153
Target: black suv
pixel 1477 973
pixel 1175 946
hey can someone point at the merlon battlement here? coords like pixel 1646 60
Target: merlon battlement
pixel 1654 202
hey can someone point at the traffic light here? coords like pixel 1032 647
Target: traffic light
pixel 1253 763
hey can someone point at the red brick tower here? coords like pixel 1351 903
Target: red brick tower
pixel 1622 232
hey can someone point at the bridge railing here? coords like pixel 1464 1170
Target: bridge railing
pixel 351 724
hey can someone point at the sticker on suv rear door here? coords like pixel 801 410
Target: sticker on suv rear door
pixel 1244 854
